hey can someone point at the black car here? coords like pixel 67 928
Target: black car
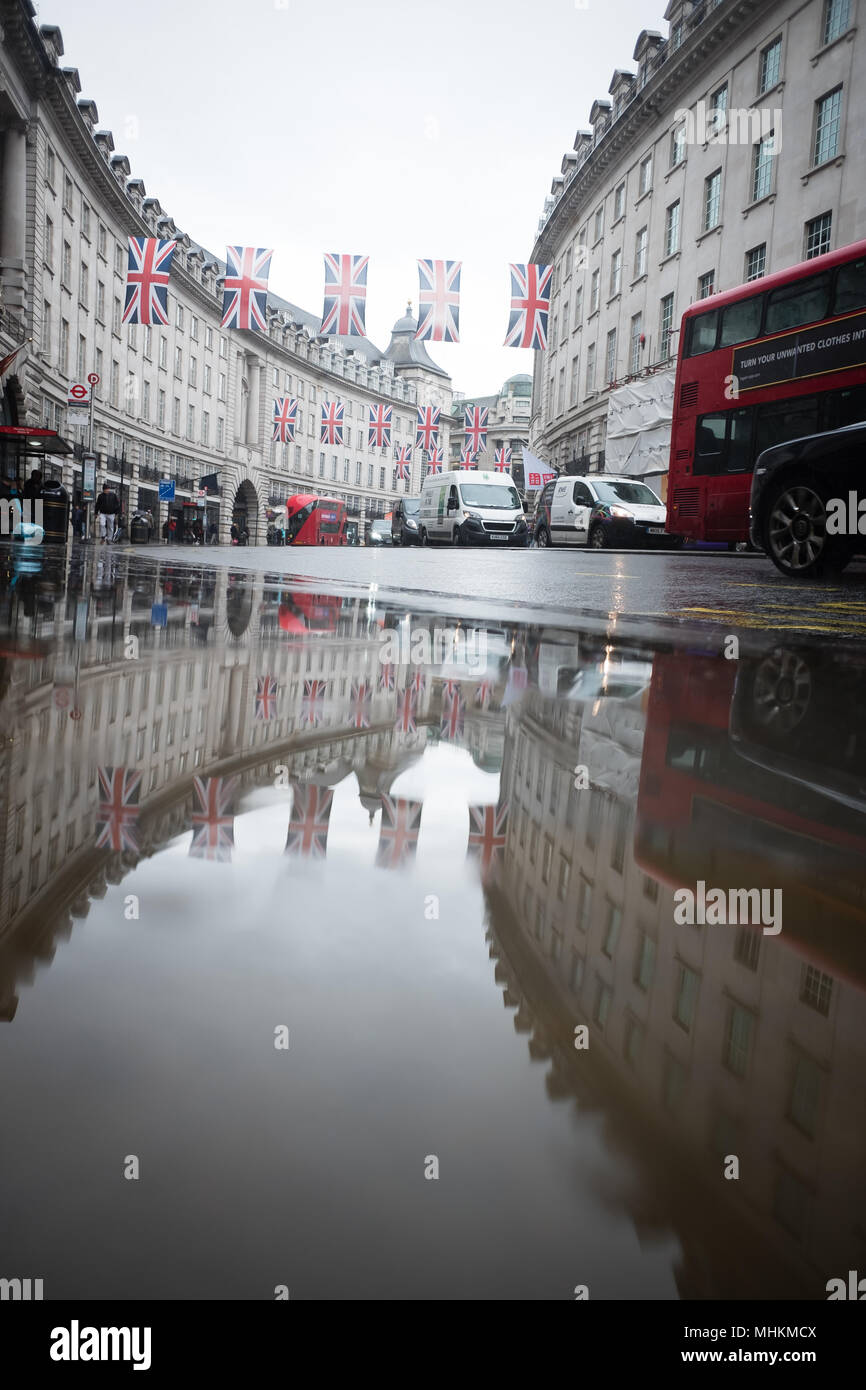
pixel 804 510
pixel 404 521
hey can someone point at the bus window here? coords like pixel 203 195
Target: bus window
pixel 840 408
pixel 806 301
pixel 784 420
pixel 723 443
pixel 702 333
pixel 741 321
pixel 850 287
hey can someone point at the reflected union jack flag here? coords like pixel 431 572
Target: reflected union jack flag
pixel 436 459
pixel 147 274
pixel 451 722
pixel 403 467
pixel 120 790
pixel 213 826
pixel 530 304
pixel 483 692
pixel 427 428
pixel 345 295
pixel 245 287
pixel 314 701
pixel 405 722
pixel 502 459
pixel 398 832
pixel 475 427
pixel 332 423
pixel 285 419
pixel 418 682
pixel 307 837
pixel 359 707
pixel 439 301
pixel 266 697
pixel 387 676
pixel 487 826
pixel 379 433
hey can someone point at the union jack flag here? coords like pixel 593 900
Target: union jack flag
pixel 436 459
pixel 403 468
pixel 405 722
pixel 483 692
pixel 487 826
pixel 245 287
pixel 359 708
pixel 213 827
pixel 451 722
pixel 147 273
pixel 379 434
pixel 530 304
pixel 439 301
pixel 450 690
pixel 314 701
pixel 266 697
pixel 387 676
pixel 332 423
pixel 467 457
pixel 345 295
pixel 285 419
pixel 120 789
pixel 427 428
pixel 311 815
pixel 398 832
pixel 475 426
pixel 502 459
pixel 418 683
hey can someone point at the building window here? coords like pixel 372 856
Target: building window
pixel 610 357
pixel 611 930
pixel 599 223
pixel 640 252
pixel 50 166
pixel 224 347
pixel 645 962
pixel 49 245
pixel 193 328
pixel 646 175
pixel 762 167
pixel 805 1098
pixel 634 354
pixel 747 948
pixel 221 386
pixel 100 301
pixel 837 14
pixel 712 200
pixel 578 306
pixel 575 381
pixel 207 379
pixel 64 347
pixel 706 284
pixel 666 326
pixel 594 291
pixel 81 364
pixel 685 997
pixel 67 194
pixel 175 415
pixel 818 233
pixel 771 66
pixel 220 432
pixel 115 317
pixel 828 116
pixel 193 371
pixel 145 400
pixel 601 1008
pixel 615 273
pixel 163 351
pixel 678 145
pixel 816 989
pixel 738 1039
pixel 178 362
pixel 190 422
pixel 672 229
pixel 146 349
pixel 634 1035
pixel 756 262
pixel 160 409
pixel 46 328
pixel 590 369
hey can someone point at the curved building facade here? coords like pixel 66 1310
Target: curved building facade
pixel 186 400
pixel 730 151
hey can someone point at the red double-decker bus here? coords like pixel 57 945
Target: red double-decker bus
pixel 311 520
pixel 781 357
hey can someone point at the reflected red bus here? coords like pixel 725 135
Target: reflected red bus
pixel 314 520
pixel 778 358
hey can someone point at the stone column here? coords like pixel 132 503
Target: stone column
pixel 254 376
pixel 13 214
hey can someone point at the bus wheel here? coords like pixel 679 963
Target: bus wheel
pixel 598 537
pixel 795 531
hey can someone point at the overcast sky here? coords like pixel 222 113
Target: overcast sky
pixel 386 129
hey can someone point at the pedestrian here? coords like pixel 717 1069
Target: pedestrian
pixel 79 517
pixel 234 533
pixel 212 534
pixel 33 487
pixel 107 509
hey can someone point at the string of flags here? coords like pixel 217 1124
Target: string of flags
pixel 245 294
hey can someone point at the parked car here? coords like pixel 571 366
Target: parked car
pixel 601 510
pixel 404 521
pixel 790 513
pixel 380 533
pixel 471 507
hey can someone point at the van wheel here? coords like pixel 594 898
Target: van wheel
pixel 794 530
pixel 542 537
pixel 598 538
pixel 423 536
pixel 456 536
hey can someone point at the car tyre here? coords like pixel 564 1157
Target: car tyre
pixel 598 537
pixel 794 529
pixel 542 537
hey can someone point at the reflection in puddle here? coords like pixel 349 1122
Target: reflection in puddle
pixel 230 808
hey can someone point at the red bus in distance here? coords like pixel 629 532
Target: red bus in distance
pixel 311 520
pixel 778 358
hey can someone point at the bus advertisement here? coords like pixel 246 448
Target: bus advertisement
pixel 778 358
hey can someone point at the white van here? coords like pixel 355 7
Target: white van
pixel 601 509
pixel 471 507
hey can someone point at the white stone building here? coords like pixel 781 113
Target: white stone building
pixel 664 200
pixel 190 399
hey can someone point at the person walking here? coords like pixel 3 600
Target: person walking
pixel 79 517
pixel 107 509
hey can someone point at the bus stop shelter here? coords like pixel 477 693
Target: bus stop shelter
pixel 23 448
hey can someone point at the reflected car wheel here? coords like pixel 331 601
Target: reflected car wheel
pixel 781 692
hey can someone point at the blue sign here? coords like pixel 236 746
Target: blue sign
pixel 159 613
pixel 166 492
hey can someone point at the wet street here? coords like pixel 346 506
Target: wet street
pixel 342 944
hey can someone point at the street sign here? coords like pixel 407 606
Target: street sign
pixel 159 615
pixel 88 480
pixel 93 378
pixel 78 394
pixel 166 492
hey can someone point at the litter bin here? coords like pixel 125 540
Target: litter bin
pixel 139 532
pixel 55 512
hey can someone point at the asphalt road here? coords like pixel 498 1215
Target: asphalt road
pixel 715 592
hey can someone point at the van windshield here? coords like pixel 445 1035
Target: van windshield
pixel 410 506
pixel 496 495
pixel 621 491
